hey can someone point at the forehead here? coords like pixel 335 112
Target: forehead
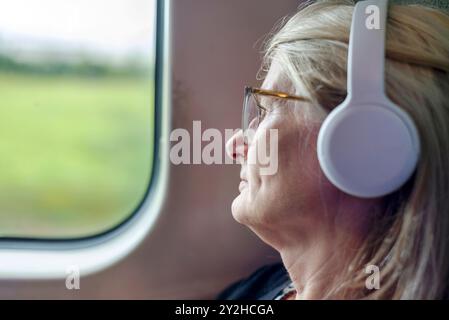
pixel 277 80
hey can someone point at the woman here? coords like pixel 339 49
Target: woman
pixel 332 243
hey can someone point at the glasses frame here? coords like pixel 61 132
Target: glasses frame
pixel 271 93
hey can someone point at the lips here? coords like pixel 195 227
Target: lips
pixel 242 185
pixel 244 182
pixel 243 175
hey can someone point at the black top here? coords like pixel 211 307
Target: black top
pixel 264 284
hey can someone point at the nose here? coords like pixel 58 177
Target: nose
pixel 236 147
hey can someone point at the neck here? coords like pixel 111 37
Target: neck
pixel 317 251
pixel 314 269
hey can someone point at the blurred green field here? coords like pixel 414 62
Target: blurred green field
pixel 75 153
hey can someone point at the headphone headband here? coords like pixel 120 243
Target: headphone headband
pixel 366 56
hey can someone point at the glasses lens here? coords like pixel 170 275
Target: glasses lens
pixel 251 114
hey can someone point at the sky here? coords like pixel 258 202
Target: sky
pixel 117 28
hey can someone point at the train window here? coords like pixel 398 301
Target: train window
pixel 76 114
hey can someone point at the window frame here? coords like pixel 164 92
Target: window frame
pixel 32 258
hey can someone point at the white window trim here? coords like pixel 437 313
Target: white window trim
pixel 51 259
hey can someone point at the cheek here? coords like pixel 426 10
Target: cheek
pixel 295 164
pixel 300 176
pixel 297 153
pixel 295 185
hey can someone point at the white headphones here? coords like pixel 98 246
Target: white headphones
pixel 367 146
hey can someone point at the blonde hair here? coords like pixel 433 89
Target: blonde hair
pixel 410 240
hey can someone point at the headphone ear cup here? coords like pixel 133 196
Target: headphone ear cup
pixel 368 150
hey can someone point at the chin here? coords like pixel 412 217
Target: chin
pixel 238 209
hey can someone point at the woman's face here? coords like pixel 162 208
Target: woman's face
pixel 291 195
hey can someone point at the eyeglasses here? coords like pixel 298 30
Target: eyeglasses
pixel 254 112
